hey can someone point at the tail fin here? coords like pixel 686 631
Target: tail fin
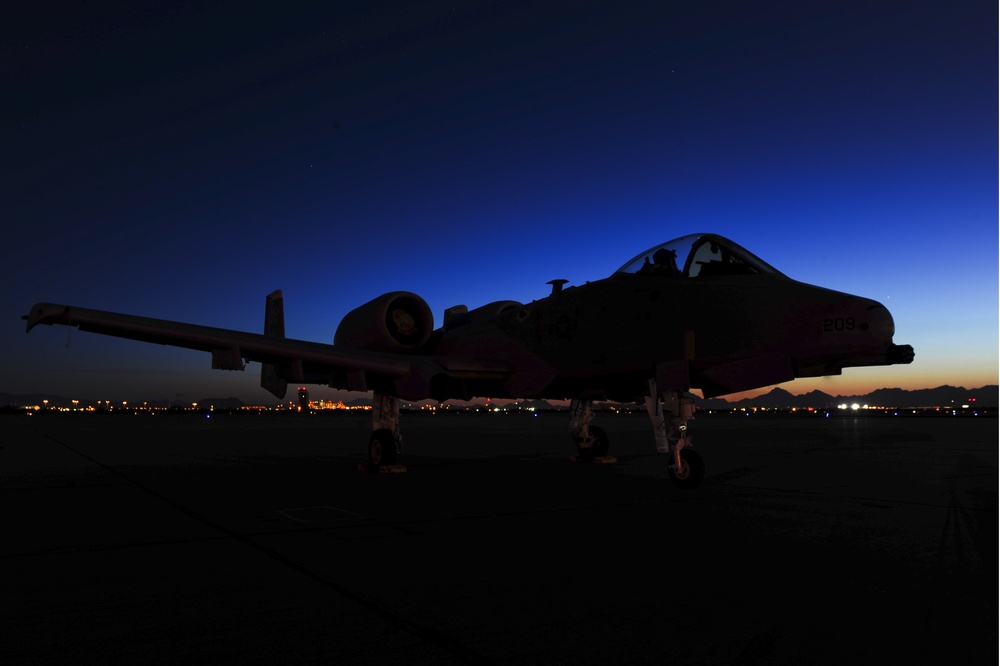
pixel 274 324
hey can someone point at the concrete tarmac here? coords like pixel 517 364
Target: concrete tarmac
pixel 254 539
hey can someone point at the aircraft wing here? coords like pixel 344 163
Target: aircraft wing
pixel 300 360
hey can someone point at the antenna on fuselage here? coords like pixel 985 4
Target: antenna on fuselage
pixel 557 285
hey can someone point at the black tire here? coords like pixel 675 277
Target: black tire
pixel 692 470
pixel 382 448
pixel 597 445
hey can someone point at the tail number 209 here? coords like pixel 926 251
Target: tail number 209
pixel 838 324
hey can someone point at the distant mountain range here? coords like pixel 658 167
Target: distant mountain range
pixel 987 397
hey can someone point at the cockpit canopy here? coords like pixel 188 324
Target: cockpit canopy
pixel 698 255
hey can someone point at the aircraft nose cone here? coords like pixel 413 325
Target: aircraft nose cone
pixel 882 328
pixel 879 321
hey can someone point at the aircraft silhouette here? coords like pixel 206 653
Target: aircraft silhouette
pixel 721 321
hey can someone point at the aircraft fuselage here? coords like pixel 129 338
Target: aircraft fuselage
pixel 606 339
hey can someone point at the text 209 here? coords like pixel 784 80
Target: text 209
pixel 838 324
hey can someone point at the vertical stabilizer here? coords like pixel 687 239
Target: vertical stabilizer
pixel 274 324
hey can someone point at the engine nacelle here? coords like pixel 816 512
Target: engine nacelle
pixel 492 310
pixel 395 322
pixel 481 313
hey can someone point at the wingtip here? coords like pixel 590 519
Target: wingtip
pixel 42 313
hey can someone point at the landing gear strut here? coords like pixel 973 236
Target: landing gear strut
pixel 385 444
pixel 591 441
pixel 686 468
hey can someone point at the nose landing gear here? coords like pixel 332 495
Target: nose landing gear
pixel 686 469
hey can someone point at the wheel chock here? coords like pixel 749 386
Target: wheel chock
pixel 368 468
pixel 596 460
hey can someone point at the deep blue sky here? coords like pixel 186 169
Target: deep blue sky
pixel 182 160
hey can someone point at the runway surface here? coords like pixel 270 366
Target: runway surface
pixel 254 539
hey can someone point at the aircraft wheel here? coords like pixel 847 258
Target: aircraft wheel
pixel 382 448
pixel 596 447
pixel 691 472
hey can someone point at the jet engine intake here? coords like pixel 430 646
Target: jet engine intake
pixel 399 321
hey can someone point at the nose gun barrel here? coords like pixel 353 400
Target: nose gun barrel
pixel 899 354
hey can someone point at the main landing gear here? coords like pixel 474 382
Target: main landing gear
pixel 385 444
pixel 669 414
pixel 591 441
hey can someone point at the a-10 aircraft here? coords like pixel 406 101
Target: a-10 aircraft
pixel 698 312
